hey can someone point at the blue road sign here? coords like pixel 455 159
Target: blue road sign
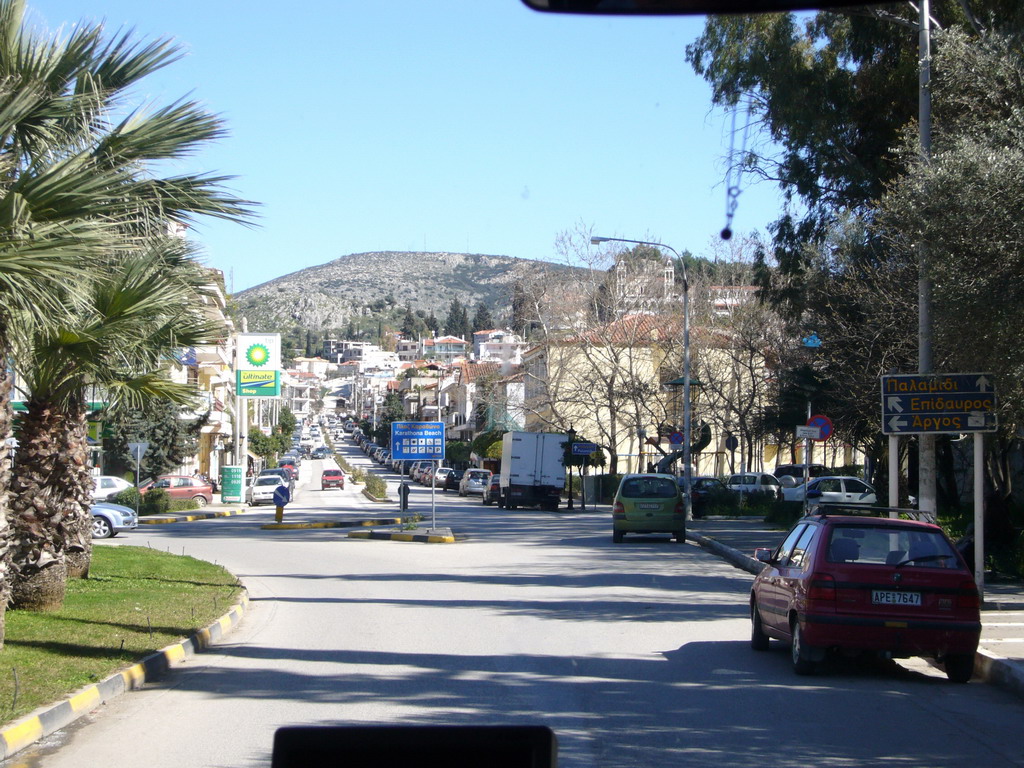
pixel 281 496
pixel 413 440
pixel 583 449
pixel 938 403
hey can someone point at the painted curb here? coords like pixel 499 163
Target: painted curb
pixel 335 524
pixel 376 500
pixel 421 538
pixel 52 718
pixel 189 518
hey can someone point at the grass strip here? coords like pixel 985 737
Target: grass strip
pixel 136 601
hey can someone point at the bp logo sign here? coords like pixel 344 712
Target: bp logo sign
pixel 257 355
pixel 259 351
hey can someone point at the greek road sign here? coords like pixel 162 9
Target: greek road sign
pixel 281 496
pixel 808 433
pixel 583 449
pixel 824 425
pixel 938 403
pixel 676 438
pixel 412 440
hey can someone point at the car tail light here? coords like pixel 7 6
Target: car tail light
pixel 680 508
pixel 822 587
pixel 968 596
pixel 618 510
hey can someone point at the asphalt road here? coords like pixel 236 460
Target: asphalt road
pixel 635 654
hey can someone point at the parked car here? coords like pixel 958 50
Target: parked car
pixel 867 584
pixel 198 489
pixel 106 486
pixel 263 488
pixel 284 473
pixel 492 494
pixel 835 489
pixel 453 480
pixel 648 503
pixel 441 474
pixel 707 492
pixel 790 475
pixel 292 465
pixel 111 519
pixel 755 482
pixel 474 481
pixel 332 478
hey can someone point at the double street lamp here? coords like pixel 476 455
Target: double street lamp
pixel 687 474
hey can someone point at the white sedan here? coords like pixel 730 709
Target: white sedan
pixel 262 489
pixel 835 489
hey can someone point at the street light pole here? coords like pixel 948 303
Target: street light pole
pixel 572 439
pixel 687 474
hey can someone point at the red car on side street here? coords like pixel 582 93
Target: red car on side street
pixel 856 584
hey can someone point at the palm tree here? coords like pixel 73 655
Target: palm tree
pixel 74 193
pixel 118 343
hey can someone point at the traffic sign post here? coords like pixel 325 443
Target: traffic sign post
pixel 938 403
pixel 418 440
pixel 943 403
pixel 583 449
pixel 281 499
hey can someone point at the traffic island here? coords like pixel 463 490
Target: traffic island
pixel 162 519
pixel 429 536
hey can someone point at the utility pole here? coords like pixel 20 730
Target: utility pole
pixel 926 442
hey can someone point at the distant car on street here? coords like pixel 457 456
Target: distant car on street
pixel 262 490
pixel 492 494
pixel 285 474
pixel 755 482
pixel 106 486
pixel 453 480
pixel 332 478
pixel 474 481
pixel 835 489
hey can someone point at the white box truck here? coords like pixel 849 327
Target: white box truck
pixel 532 473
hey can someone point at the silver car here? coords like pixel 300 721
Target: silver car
pixel 111 519
pixel 474 481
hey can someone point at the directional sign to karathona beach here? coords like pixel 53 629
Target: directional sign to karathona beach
pixel 938 403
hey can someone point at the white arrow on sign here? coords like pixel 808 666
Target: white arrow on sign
pixel 896 424
pixel 982 383
pixel 894 405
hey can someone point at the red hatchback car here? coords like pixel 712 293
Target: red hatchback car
pixel 853 584
pixel 332 478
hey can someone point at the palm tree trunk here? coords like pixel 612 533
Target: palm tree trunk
pixel 40 515
pixel 79 542
pixel 5 482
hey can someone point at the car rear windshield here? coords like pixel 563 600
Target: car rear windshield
pixel 268 480
pixel 480 475
pixel 891 546
pixel 649 488
pixel 332 473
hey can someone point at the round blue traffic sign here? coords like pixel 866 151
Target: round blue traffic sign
pixel 281 496
pixel 824 425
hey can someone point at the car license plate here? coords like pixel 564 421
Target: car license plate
pixel 648 506
pixel 894 597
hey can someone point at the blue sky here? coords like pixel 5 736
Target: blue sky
pixel 438 125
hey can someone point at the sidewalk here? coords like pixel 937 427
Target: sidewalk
pixel 1000 659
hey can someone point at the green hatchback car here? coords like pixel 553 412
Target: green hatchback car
pixel 648 503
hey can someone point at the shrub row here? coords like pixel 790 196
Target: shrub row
pixel 155 501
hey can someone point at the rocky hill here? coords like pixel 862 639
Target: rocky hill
pixel 359 286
